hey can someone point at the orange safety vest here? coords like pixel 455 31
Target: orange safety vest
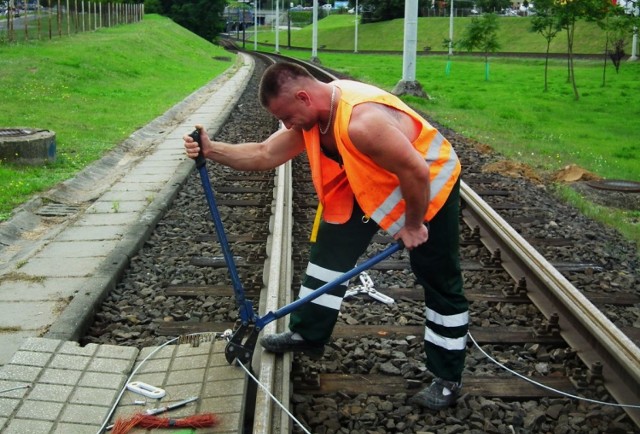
pixel 376 189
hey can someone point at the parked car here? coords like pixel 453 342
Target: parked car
pixel 327 6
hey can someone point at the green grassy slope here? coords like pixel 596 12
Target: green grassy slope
pixel 94 89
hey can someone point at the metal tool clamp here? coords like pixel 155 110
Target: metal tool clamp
pixel 367 287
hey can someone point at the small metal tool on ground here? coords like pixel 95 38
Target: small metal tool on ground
pixel 367 287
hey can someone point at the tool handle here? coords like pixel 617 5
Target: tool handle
pixel 246 308
pixel 200 160
pixel 154 411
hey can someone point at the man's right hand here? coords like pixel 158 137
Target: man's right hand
pixel 191 147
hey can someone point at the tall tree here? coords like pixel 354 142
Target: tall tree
pixel 202 17
pixel 568 13
pixel 619 24
pixel 493 5
pixel 385 10
pixel 481 34
pixel 545 23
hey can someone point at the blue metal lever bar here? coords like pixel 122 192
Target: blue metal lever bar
pixel 247 314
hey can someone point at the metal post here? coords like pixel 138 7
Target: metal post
pixel 314 33
pixel 355 43
pixel 277 26
pixel 410 40
pixel 451 30
pixel 289 28
pixel 408 84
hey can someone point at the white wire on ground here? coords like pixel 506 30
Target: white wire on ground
pixel 272 397
pixel 547 387
pixel 26 386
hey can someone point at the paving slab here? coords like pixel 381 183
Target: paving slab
pixel 53 386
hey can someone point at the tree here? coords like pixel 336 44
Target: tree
pixel 202 17
pixel 493 5
pixel 619 25
pixel 385 10
pixel 545 24
pixel 482 34
pixel 567 13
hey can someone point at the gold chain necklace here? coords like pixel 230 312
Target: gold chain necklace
pixel 333 97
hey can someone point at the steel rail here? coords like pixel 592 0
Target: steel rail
pixel 273 371
pixel 595 338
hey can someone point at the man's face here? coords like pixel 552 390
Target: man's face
pixel 293 110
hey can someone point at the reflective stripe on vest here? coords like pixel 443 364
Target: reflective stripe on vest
pixel 438 183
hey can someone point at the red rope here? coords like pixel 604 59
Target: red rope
pixel 123 426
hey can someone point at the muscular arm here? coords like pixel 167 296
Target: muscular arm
pixel 385 134
pixel 279 148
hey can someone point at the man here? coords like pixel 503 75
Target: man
pixel 375 163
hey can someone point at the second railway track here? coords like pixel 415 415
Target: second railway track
pixel 375 361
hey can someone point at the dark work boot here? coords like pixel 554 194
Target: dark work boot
pixel 438 395
pixel 291 342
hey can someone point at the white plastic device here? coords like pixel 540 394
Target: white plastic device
pixel 146 389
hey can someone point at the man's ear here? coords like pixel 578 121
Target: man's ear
pixel 303 96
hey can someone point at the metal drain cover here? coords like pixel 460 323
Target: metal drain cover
pixel 57 210
pixel 616 185
pixel 16 132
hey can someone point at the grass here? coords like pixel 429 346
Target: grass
pixel 95 89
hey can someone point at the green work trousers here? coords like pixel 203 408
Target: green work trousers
pixel 435 264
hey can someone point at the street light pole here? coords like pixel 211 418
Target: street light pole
pixel 451 30
pixel 277 26
pixel 355 42
pixel 409 84
pixel 314 34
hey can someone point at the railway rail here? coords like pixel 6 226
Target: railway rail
pixel 526 323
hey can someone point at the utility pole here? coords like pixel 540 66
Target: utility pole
pixel 355 42
pixel 277 26
pixel 451 29
pixel 408 84
pixel 314 34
